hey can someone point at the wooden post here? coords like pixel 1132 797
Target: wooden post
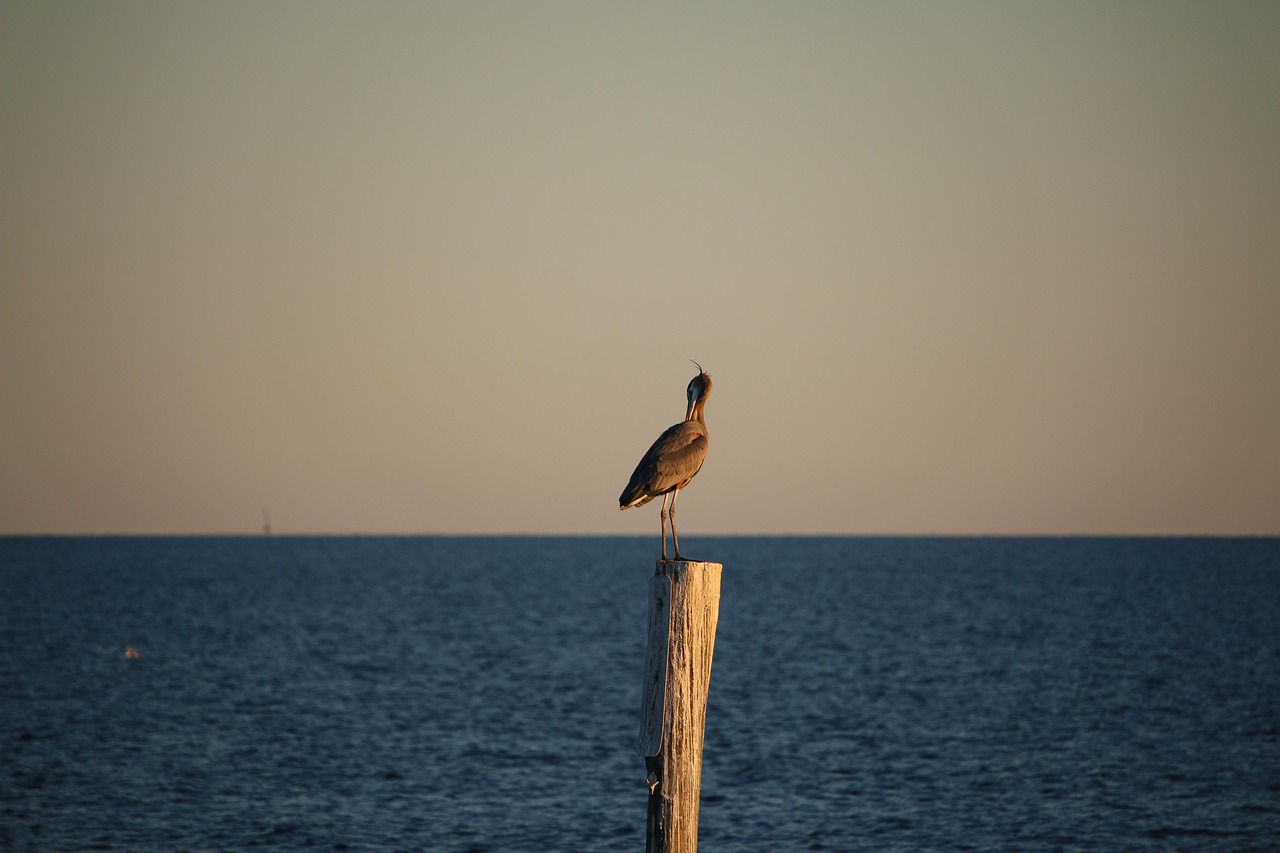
pixel 684 606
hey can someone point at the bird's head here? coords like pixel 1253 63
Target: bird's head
pixel 699 390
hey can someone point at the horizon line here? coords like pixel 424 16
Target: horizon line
pixel 532 535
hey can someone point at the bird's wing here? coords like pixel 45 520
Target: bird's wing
pixel 681 458
pixel 674 458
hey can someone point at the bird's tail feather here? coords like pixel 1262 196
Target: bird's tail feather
pixel 633 497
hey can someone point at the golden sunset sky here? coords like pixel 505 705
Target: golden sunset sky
pixel 984 267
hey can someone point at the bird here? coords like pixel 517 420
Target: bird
pixel 673 460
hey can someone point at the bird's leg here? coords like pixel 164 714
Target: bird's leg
pixel 675 493
pixel 663 522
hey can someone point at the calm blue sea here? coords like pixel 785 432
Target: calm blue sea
pixel 483 694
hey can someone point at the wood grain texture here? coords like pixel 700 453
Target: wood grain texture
pixel 655 667
pixel 675 773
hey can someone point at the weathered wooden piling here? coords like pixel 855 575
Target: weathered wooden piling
pixel 684 607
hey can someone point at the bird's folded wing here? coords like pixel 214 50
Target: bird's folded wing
pixel 680 454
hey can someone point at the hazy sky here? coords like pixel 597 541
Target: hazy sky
pixel 439 267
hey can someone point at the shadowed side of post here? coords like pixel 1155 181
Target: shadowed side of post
pixel 684 608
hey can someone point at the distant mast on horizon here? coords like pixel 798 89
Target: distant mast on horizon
pixel 266 523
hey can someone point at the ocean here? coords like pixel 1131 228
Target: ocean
pixel 478 694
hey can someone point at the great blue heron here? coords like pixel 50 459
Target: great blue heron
pixel 672 461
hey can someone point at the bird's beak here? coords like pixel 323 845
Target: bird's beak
pixel 693 402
